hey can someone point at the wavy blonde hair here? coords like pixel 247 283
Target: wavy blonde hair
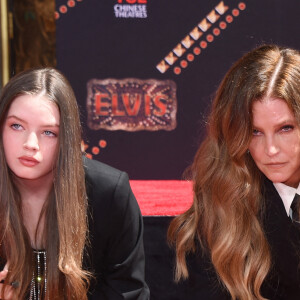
pixel 225 215
pixel 65 211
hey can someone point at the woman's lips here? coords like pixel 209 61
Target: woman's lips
pixel 28 161
pixel 276 165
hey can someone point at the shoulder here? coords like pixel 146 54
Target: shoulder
pixel 113 209
pixel 96 170
pixel 268 187
pixel 104 179
pixel 272 200
pixel 108 190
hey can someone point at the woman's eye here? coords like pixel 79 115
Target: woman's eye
pixel 16 126
pixel 49 133
pixel 287 128
pixel 256 132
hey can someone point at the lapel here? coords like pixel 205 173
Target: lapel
pixel 283 236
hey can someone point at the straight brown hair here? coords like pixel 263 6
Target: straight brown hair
pixel 65 211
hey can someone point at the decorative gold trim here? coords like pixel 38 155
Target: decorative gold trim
pixel 4 42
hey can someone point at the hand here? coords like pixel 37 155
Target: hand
pixel 9 291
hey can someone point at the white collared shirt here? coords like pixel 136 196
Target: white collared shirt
pixel 287 194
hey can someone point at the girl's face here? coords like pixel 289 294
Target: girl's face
pixel 275 144
pixel 30 137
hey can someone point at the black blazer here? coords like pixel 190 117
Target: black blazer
pixel 116 254
pixel 284 240
pixel 283 281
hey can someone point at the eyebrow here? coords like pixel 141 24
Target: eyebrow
pixel 284 122
pixel 21 120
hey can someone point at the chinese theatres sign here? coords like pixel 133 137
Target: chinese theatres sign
pixel 131 104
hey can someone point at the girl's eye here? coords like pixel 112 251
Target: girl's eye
pixel 50 133
pixel 16 126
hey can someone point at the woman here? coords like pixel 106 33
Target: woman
pixel 238 236
pixel 54 242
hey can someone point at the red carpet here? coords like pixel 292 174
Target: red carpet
pixel 162 197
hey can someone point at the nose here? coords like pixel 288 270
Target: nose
pixel 32 142
pixel 271 147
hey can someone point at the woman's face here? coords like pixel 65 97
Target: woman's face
pixel 275 144
pixel 30 137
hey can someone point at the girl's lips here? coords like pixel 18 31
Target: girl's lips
pixel 28 161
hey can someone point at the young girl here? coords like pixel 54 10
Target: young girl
pixel 50 196
pixel 241 237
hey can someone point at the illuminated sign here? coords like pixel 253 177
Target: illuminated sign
pixel 131 104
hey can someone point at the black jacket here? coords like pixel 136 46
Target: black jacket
pixel 116 254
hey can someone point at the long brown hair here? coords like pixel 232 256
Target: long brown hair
pixel 65 231
pixel 225 215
